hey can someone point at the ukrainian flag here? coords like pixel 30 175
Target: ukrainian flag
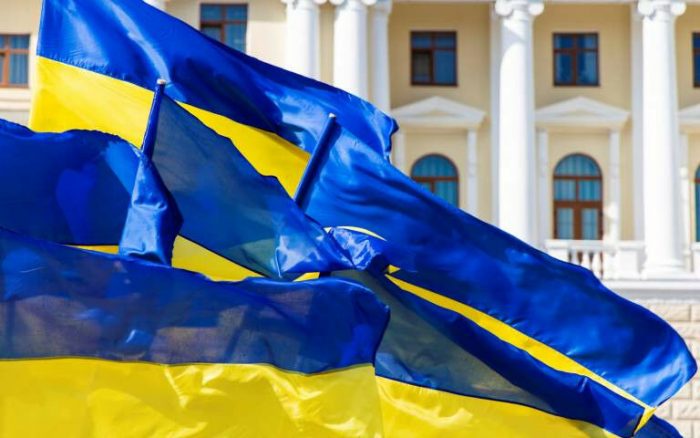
pixel 96 56
pixel 98 345
pixel 487 333
pixel 72 188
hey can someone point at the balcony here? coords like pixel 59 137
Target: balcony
pixel 620 266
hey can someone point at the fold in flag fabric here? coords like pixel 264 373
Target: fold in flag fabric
pixel 72 188
pixel 237 223
pixel 547 327
pixel 94 344
pixel 98 55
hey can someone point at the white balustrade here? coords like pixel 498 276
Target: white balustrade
pixel 619 261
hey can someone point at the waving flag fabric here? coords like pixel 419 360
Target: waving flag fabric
pixel 237 222
pixel 72 188
pixel 546 326
pixel 98 345
pixel 98 55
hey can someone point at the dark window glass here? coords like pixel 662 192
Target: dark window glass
pixel 578 199
pixel 226 23
pixel 14 60
pixel 696 59
pixel 576 59
pixel 439 176
pixel 433 58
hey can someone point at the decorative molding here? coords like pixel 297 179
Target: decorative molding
pixel 311 3
pixel 438 112
pixel 352 4
pixel 689 118
pixel 581 112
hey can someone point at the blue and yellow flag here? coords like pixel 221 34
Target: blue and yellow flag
pixel 99 345
pixel 501 321
pixel 236 222
pixel 72 188
pixel 99 55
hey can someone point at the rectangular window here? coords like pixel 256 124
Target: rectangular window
pixel 434 58
pixel 576 60
pixel 14 60
pixel 225 23
pixel 696 59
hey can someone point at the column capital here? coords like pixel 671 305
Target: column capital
pixel 383 6
pixel 518 9
pixel 662 10
pixel 354 4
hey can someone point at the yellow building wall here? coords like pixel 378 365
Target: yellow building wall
pixel 266 25
pixel 612 23
pixel 471 22
pixel 686 24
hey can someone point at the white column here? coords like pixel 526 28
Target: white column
pixel 495 55
pixel 685 199
pixel 612 233
pixel 472 179
pixel 545 187
pixel 381 91
pixel 303 37
pixel 637 124
pixel 160 4
pixel 350 46
pixel 664 255
pixel 398 144
pixel 516 134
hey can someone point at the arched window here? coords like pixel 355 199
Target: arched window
pixel 697 205
pixel 437 174
pixel 578 199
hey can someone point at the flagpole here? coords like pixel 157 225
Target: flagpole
pixel 149 138
pixel 313 167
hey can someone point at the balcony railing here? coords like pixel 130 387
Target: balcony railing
pixel 607 260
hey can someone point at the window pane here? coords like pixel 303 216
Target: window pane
pixel 445 67
pixel 2 41
pixel 432 166
pixel 426 185
pixel 235 36
pixel 212 31
pixel 563 41
pixel 212 12
pixel 589 222
pixel 589 190
pixel 563 68
pixel 696 40
pixel 2 70
pixel 420 41
pixel 589 41
pixel 445 41
pixel 564 190
pixel 421 65
pixel 19 42
pixel 696 70
pixel 565 223
pixel 237 12
pixel 588 68
pixel 447 190
pixel 577 165
pixel 19 69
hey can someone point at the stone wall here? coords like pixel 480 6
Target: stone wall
pixel 683 411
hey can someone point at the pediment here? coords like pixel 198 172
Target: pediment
pixel 689 118
pixel 581 112
pixel 438 112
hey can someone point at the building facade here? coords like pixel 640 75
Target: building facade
pixel 572 124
